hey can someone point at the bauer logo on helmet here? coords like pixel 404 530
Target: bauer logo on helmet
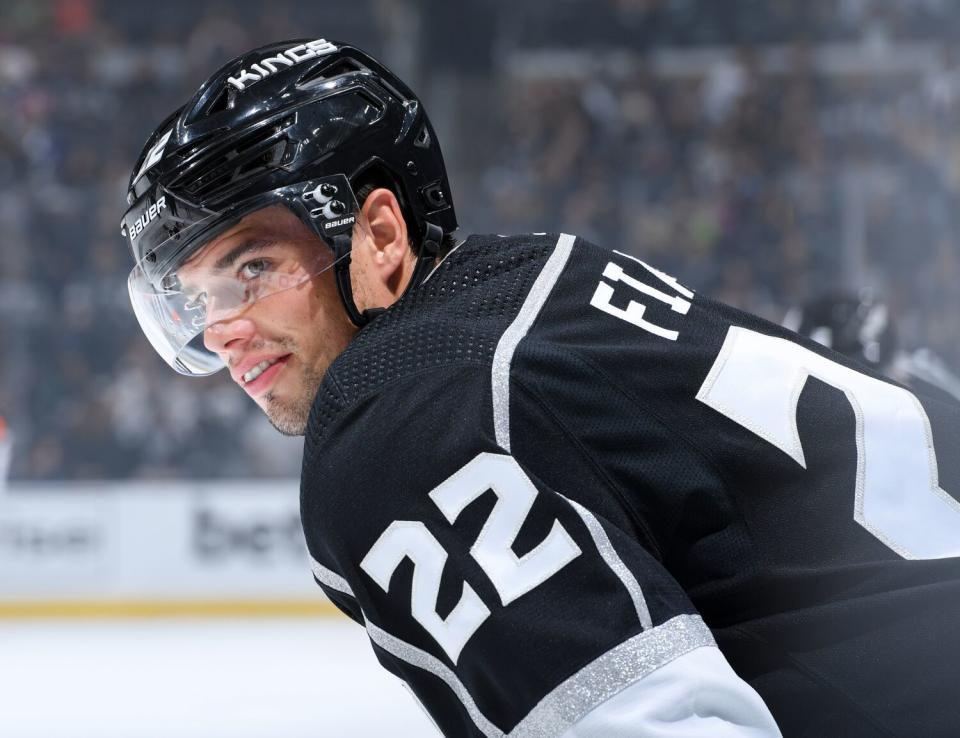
pixel 146 218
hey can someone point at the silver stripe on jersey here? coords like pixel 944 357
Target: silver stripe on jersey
pixel 409 653
pixel 579 694
pixel 616 670
pixel 420 658
pixel 503 356
pixel 602 541
pixel 329 577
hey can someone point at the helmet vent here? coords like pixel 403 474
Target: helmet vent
pixel 229 168
pixel 423 138
pixel 325 73
pixel 219 103
pixel 263 161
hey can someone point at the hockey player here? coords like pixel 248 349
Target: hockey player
pixel 565 495
pixel 862 328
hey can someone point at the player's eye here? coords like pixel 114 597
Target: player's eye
pixel 253 269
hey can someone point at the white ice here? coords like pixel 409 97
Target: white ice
pixel 275 678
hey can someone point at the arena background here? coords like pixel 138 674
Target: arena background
pixel 763 151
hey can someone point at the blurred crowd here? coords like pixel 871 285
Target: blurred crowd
pixel 648 23
pixel 763 153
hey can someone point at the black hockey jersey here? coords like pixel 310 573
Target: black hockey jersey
pixel 551 472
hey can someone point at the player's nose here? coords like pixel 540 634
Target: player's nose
pixel 220 335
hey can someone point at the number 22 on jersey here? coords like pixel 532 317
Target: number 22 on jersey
pixel 512 576
pixel 756 381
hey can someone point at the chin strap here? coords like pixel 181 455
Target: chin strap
pixel 429 248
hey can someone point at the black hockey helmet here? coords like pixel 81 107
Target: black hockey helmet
pixel 302 123
pixel 857 326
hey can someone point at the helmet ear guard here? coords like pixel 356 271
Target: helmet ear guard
pixel 342 245
pixel 374 175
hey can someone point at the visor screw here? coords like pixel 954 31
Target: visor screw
pixel 337 207
pixel 435 196
pixel 152 257
pixel 412 168
pixel 328 190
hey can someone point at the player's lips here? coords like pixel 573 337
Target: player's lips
pixel 255 374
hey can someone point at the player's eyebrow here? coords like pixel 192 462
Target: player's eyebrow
pixel 242 249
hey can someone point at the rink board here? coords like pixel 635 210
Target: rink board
pixel 155 549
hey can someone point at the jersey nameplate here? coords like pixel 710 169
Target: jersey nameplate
pixel 636 309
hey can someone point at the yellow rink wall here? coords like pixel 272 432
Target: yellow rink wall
pixel 72 610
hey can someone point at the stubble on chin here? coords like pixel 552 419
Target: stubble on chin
pixel 290 415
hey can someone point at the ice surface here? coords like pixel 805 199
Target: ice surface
pixel 257 678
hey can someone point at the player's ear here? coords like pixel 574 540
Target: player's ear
pixel 388 236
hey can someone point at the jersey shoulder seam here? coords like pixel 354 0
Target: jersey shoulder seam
pixel 331 376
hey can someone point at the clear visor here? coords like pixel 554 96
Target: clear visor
pixel 220 282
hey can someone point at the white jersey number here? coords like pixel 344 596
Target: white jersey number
pixel 411 539
pixel 756 381
pixel 512 576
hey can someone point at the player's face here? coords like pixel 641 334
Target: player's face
pixel 277 348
